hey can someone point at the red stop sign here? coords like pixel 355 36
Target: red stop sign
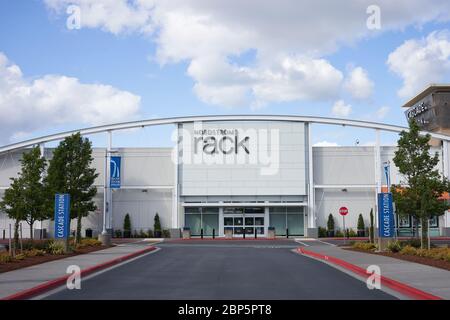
pixel 343 211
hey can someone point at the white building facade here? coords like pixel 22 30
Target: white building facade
pixel 238 175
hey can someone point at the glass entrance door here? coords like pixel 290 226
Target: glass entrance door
pixel 240 221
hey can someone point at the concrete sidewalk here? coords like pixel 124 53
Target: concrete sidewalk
pixel 429 279
pixel 22 279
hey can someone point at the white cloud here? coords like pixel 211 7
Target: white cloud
pixel 340 109
pixel 289 39
pixel 358 83
pixel 420 62
pixel 382 112
pixel 325 144
pixel 50 100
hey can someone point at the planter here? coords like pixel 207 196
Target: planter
pixel 127 234
pixel 271 233
pixel 361 233
pixel 330 234
pixel 186 233
pixel 228 233
pixel 157 234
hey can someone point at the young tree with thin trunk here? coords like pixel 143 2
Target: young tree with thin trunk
pixel 14 206
pixel 26 198
pixel 70 171
pixel 423 186
pixel 33 168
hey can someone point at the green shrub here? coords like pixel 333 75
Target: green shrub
pixel 412 243
pixel 352 233
pixel 339 234
pixel 36 244
pixel 150 233
pixel 408 250
pixel 157 223
pixel 394 246
pixel 372 227
pixel 90 242
pixel 361 226
pixel 142 234
pixel 330 223
pixel 34 252
pixel 5 258
pixel 364 246
pixel 447 257
pixel 166 233
pixel 118 233
pixel 322 232
pixel 435 253
pixel 20 256
pixel 56 248
pixel 127 226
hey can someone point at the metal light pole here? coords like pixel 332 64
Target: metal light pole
pixel 105 237
pixel 105 173
pixel 387 172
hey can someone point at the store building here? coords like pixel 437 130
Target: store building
pixel 237 175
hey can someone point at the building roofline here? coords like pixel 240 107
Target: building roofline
pixel 433 87
pixel 177 120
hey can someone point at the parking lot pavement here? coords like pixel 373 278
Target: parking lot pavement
pixel 20 280
pixel 223 270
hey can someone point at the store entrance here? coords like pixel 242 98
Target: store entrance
pixel 244 222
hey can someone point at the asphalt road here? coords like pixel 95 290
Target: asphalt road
pixel 223 271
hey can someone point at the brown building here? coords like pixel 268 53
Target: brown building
pixel 430 108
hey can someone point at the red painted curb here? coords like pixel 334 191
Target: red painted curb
pixel 229 239
pixel 393 284
pixel 366 238
pixel 28 293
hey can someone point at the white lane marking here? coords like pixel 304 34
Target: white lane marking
pixel 63 287
pixel 330 244
pixel 298 241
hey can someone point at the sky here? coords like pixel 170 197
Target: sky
pixel 69 64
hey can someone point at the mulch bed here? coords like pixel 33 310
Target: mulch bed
pixel 442 264
pixel 31 261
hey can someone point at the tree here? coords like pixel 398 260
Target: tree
pixel 127 226
pixel 157 226
pixel 34 195
pixel 361 225
pixel 14 206
pixel 25 200
pixel 371 227
pixel 70 172
pixel 330 222
pixel 157 223
pixel 419 194
pixel 330 226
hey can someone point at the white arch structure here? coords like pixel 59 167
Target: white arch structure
pixel 289 118
pixel 176 120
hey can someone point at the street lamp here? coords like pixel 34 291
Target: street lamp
pixel 105 237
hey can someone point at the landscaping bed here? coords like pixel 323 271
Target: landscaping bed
pixel 435 257
pixel 33 256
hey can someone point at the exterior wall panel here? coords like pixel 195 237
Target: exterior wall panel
pixel 210 179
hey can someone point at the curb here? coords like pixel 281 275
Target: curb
pixel 366 238
pixel 229 239
pixel 397 286
pixel 49 285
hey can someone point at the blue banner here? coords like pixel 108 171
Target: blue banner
pixel 385 215
pixel 114 172
pixel 62 215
